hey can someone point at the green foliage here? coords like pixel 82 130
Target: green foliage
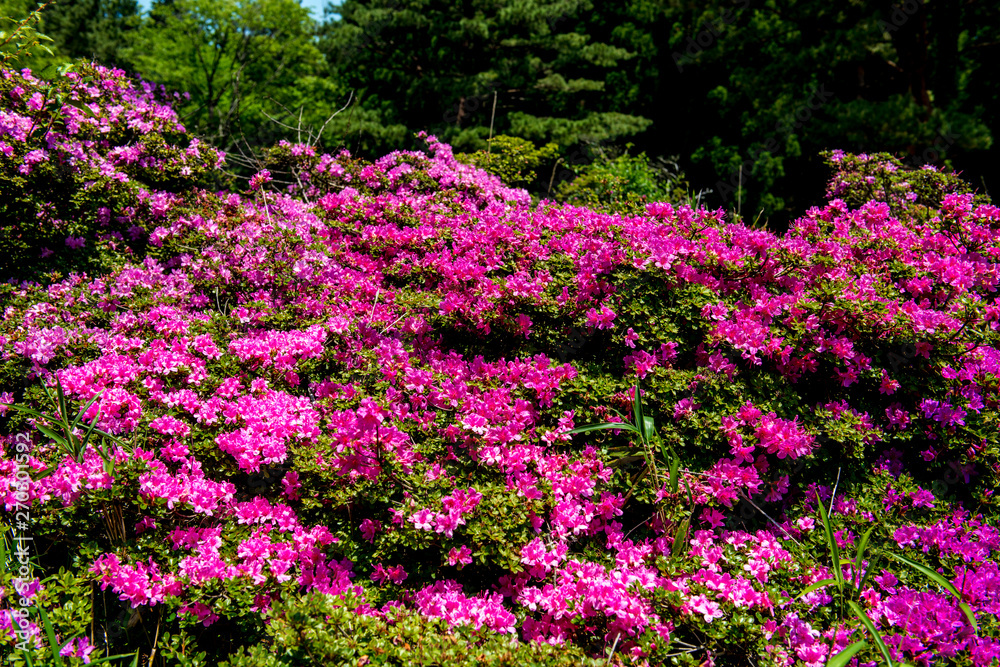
pixel 322 630
pixel 911 193
pixel 99 30
pixel 60 193
pixel 512 159
pixel 436 66
pixel 624 184
pixel 21 41
pixel 63 429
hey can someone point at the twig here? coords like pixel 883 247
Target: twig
pixel 834 494
pixel 613 647
pixel 746 498
pixel 374 303
pixel 489 142
pixel 156 637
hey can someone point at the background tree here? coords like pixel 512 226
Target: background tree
pixel 434 65
pixel 24 42
pixel 240 61
pixel 99 30
pixel 765 87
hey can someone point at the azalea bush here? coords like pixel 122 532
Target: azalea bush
pixel 88 161
pixel 338 416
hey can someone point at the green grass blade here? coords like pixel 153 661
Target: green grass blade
pixel 859 555
pixel 90 431
pixel 115 657
pixel 928 572
pixel 604 427
pixel 45 430
pixel 871 568
pixel 816 586
pixel 29 411
pixel 942 582
pixel 648 428
pixel 680 537
pixel 637 413
pixel 867 622
pixel 50 633
pixel 675 466
pixel 82 411
pixel 967 610
pixel 844 657
pixel 831 543
pixel 63 407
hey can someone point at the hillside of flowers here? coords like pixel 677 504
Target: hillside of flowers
pixel 335 415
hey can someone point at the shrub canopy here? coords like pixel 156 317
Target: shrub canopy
pixel 334 411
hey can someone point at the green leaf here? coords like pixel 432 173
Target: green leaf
pixel 867 622
pixel 83 410
pixel 926 571
pixel 845 656
pixel 115 657
pixel 871 568
pixel 816 586
pixel 53 435
pixel 941 581
pixel 63 406
pixel 86 438
pixel 680 537
pixel 967 610
pixel 637 413
pixel 21 408
pixel 50 633
pixel 3 548
pixel 831 543
pixel 675 465
pixel 603 427
pixel 859 555
pixel 649 429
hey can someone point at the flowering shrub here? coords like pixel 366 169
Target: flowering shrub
pixel 346 397
pixel 88 163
